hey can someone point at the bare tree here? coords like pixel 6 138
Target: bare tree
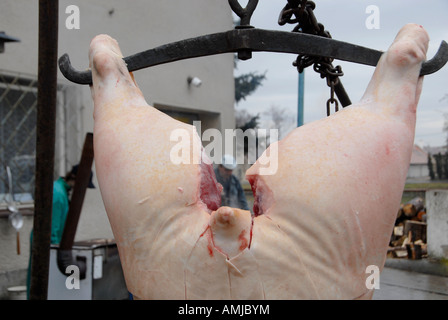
pixel 244 120
pixel 281 119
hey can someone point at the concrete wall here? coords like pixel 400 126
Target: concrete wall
pixel 137 25
pixel 437 219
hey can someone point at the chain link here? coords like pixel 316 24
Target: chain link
pixel 332 99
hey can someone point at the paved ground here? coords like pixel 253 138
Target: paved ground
pixel 398 284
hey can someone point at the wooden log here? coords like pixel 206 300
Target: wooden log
pixel 420 215
pixel 415 230
pixel 414 206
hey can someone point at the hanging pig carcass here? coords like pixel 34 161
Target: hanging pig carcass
pixel 322 219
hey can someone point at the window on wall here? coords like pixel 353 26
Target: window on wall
pixel 18 102
pixel 18 116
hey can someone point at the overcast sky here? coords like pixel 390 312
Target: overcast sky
pixel 346 21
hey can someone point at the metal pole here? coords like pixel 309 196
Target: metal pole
pixel 45 145
pixel 301 98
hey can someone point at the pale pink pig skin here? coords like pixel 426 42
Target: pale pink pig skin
pixel 322 218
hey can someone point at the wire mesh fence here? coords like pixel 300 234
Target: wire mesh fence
pixel 18 113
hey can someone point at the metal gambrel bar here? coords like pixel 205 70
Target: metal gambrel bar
pixel 250 40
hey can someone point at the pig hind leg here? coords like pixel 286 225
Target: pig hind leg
pixel 111 78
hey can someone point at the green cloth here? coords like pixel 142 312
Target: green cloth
pixel 58 217
pixel 60 209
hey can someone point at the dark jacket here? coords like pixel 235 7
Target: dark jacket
pixel 232 193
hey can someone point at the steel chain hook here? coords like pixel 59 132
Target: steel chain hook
pixel 332 99
pixel 244 14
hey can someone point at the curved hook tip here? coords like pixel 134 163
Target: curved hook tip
pixel 79 77
pixel 437 62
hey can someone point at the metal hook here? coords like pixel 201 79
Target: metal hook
pixel 437 62
pixel 246 13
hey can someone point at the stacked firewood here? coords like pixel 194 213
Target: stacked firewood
pixel 413 210
pixel 408 239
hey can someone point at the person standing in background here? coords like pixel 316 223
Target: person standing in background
pixel 232 193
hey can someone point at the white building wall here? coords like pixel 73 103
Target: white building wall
pixel 418 171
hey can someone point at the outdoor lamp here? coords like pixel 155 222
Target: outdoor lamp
pixel 5 38
pixel 195 81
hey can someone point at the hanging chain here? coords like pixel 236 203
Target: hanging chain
pixel 332 100
pixel 301 12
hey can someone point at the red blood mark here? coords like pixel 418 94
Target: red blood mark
pixel 243 240
pixel 257 198
pixel 210 249
pixel 210 244
pixel 210 189
pixel 387 150
pixel 251 231
pixel 204 232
